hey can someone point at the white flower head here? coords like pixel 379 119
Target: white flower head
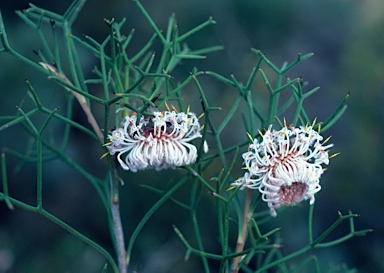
pixel 160 141
pixel 285 166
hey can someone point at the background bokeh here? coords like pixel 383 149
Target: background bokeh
pixel 348 42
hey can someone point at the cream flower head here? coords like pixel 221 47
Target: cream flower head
pixel 285 166
pixel 160 141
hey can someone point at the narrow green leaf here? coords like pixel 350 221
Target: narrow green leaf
pixel 209 22
pixel 73 11
pixel 151 22
pixel 220 78
pixel 336 115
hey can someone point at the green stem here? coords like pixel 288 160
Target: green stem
pixel 310 224
pixel 196 197
pixel 284 259
pixel 224 264
pixel 272 109
pixel 39 168
pixel 5 181
pixel 153 209
pixel 67 227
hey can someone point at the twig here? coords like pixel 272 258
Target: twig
pixel 115 208
pixel 243 235
pixel 80 99
pixel 117 226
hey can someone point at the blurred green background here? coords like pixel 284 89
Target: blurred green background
pixel 348 41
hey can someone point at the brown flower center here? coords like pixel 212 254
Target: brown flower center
pixel 293 194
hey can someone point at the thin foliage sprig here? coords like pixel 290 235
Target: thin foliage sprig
pixel 136 88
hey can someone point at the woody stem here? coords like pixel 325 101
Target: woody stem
pixel 243 234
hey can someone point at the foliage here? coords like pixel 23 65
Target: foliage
pixel 135 83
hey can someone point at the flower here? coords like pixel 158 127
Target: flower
pixel 160 141
pixel 285 166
